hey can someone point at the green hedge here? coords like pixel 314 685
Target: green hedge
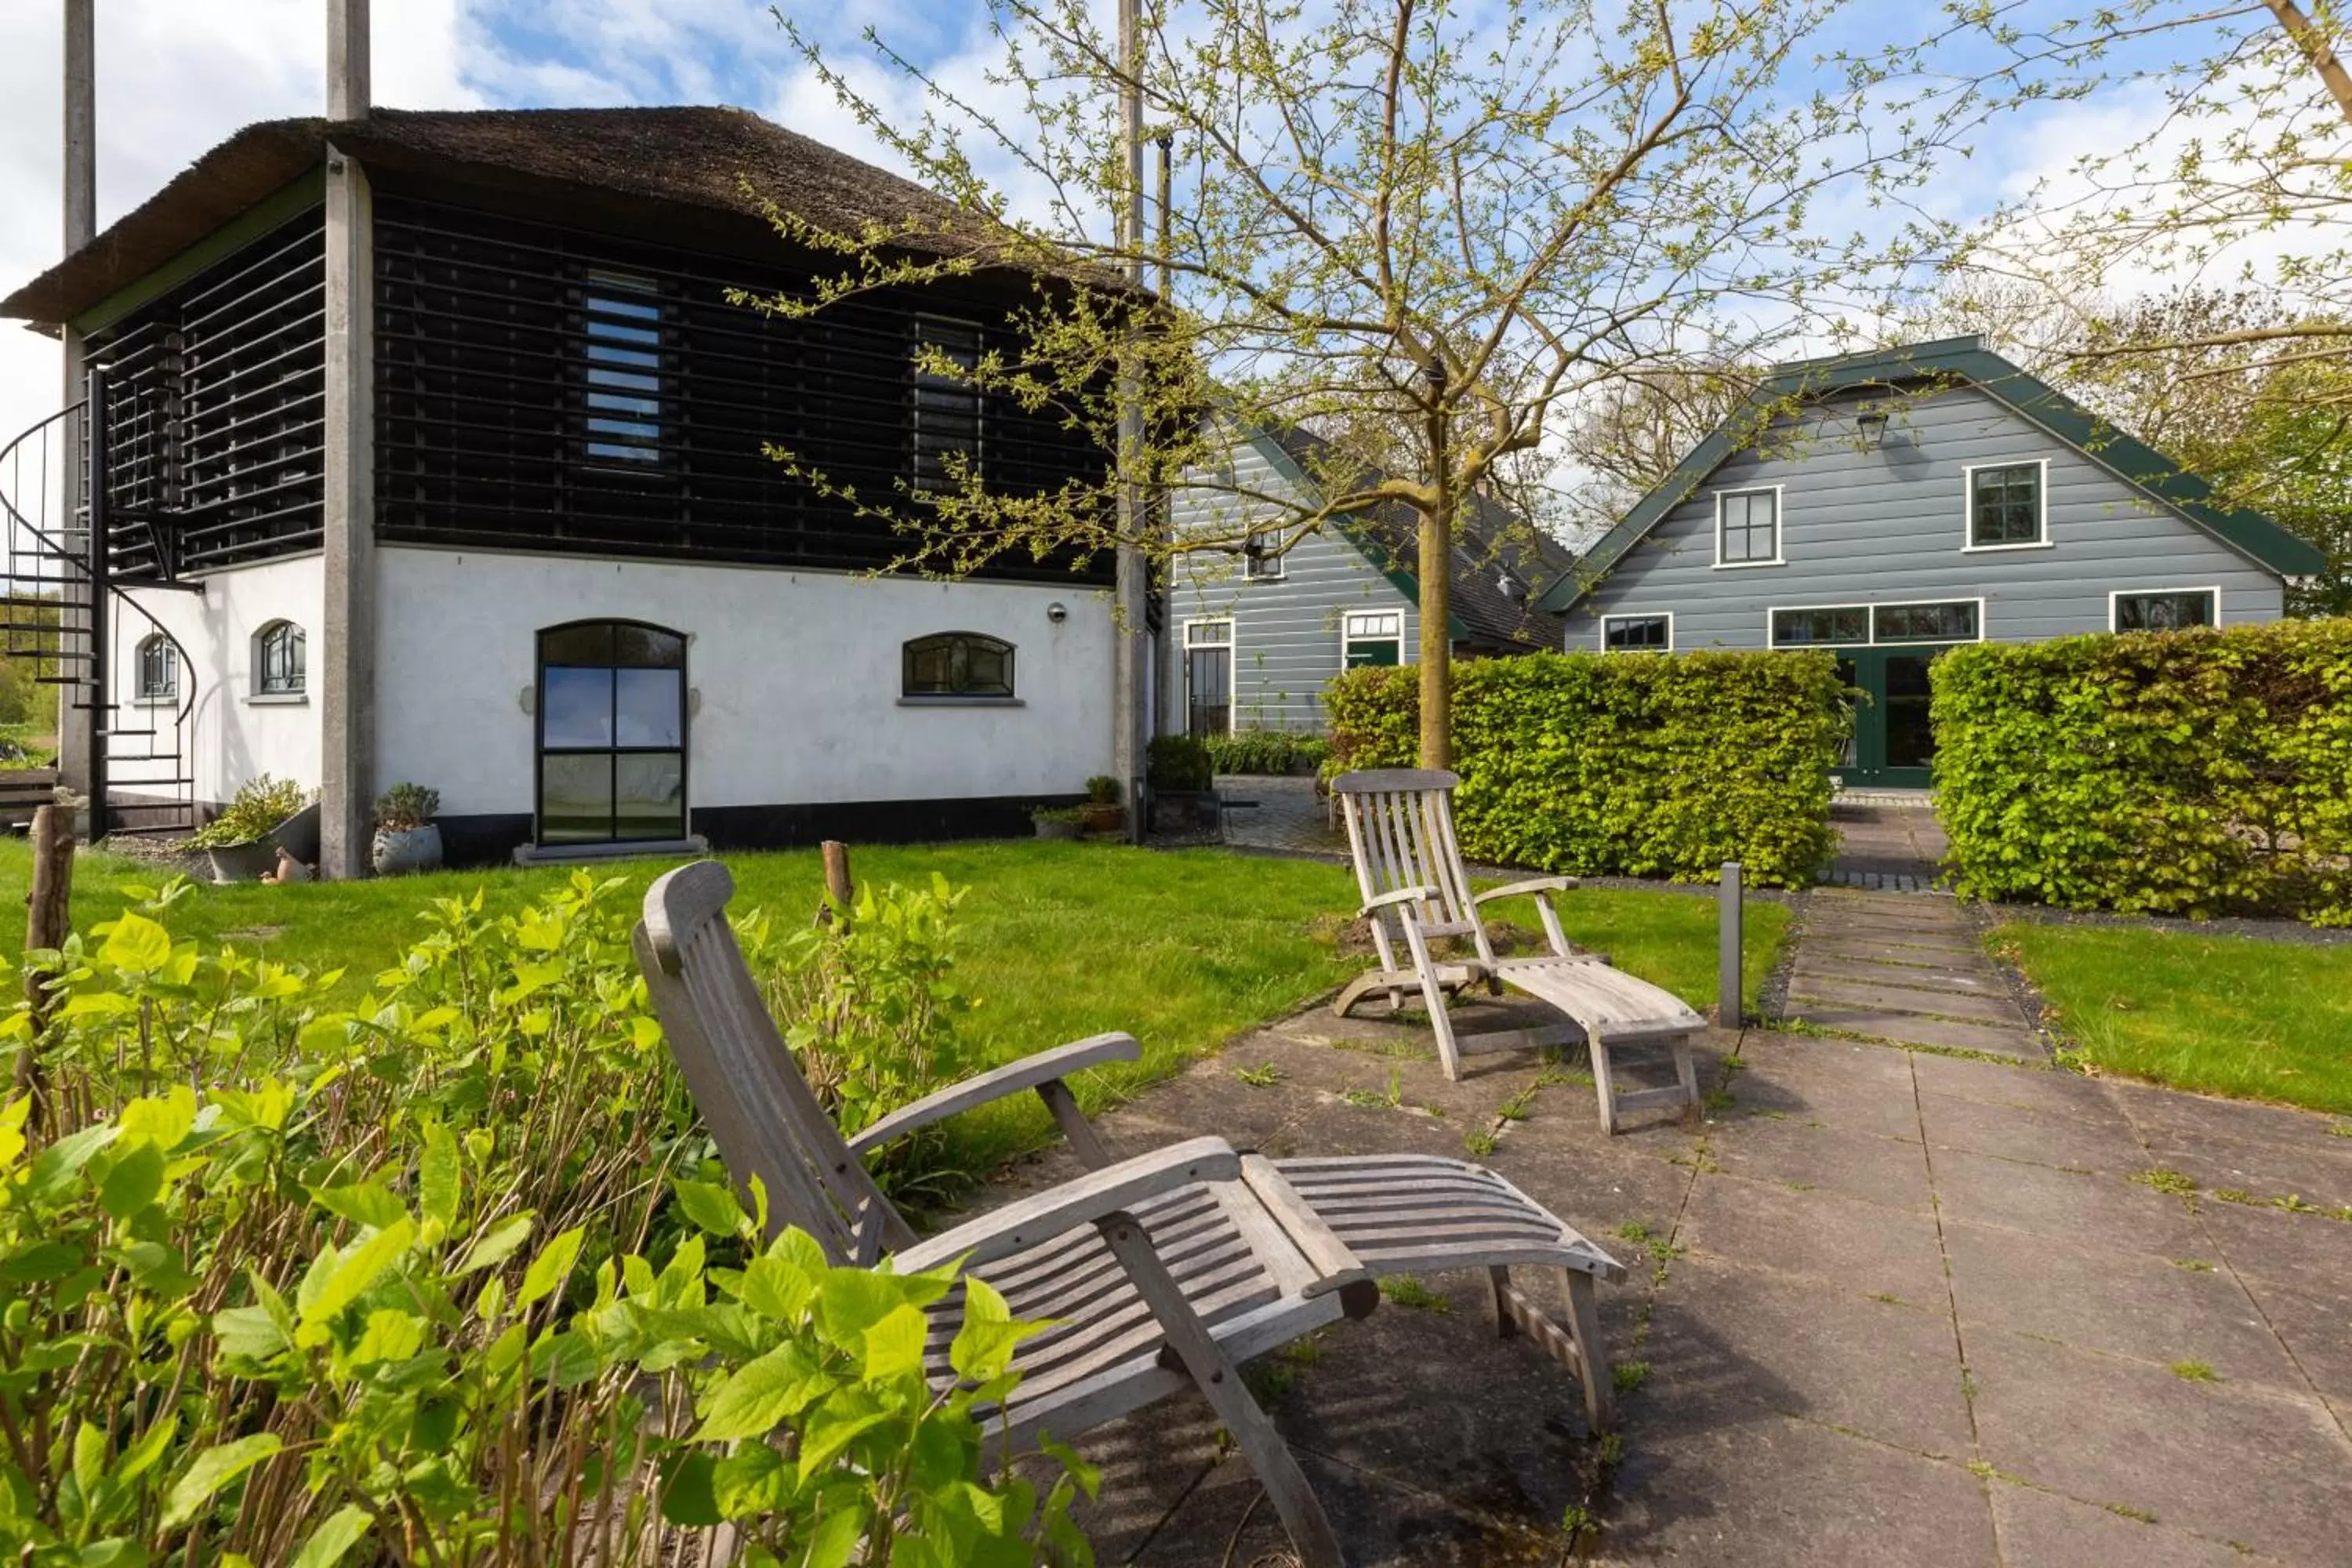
pixel 1623 764
pixel 2196 773
pixel 1267 752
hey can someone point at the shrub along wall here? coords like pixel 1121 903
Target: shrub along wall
pixel 2165 772
pixel 1623 764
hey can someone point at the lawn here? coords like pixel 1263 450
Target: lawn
pixel 1184 950
pixel 2234 1015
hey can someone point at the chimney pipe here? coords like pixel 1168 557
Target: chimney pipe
pixel 347 59
pixel 82 124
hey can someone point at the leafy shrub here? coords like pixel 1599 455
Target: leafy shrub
pixel 254 813
pixel 1103 790
pixel 404 807
pixel 404 1283
pixel 1266 752
pixel 2195 773
pixel 1179 762
pixel 1619 764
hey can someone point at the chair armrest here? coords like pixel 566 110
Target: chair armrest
pixel 1018 1227
pixel 1401 895
pixel 1029 1072
pixel 1537 885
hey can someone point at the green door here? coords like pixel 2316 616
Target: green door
pixel 1894 745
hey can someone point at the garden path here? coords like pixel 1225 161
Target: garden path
pixel 1888 1307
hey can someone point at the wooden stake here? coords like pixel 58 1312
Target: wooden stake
pixel 49 916
pixel 839 894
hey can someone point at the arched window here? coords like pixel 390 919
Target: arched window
pixel 277 659
pixel 956 663
pixel 159 670
pixel 612 733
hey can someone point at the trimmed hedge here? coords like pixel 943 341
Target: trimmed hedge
pixel 1623 764
pixel 2195 773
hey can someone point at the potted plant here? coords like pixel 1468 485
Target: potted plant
pixel 1183 782
pixel 1059 821
pixel 405 838
pixel 1103 812
pixel 242 842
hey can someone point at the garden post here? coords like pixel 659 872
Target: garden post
pixel 1729 1010
pixel 839 894
pixel 49 916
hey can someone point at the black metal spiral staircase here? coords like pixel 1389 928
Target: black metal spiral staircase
pixel 69 614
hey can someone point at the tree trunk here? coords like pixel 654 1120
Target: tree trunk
pixel 1437 650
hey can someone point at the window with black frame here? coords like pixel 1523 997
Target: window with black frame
pixel 2170 610
pixel 159 670
pixel 278 657
pixel 947 408
pixel 956 666
pixel 612 733
pixel 622 361
pixel 2005 506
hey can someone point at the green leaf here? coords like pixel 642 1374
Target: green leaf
pixel 40 1263
pixel 687 1495
pixel 357 1268
pixel 762 1395
pixel 496 1244
pixel 549 1269
pixel 247 1333
pixel 136 942
pixel 342 1531
pixel 893 1347
pixel 836 1536
pixel 835 1422
pixel 438 1175
pixel 851 1301
pixel 213 1469
pixel 983 1344
pixel 135 1181
pixel 364 1204
pixel 776 1289
pixel 711 1206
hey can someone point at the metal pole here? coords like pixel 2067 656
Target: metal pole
pixel 101 661
pixel 79 187
pixel 1130 655
pixel 1730 1005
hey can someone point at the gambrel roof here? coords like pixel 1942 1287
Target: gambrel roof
pixel 1928 367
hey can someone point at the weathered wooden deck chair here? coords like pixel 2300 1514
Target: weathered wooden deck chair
pixel 1166 1267
pixel 1417 889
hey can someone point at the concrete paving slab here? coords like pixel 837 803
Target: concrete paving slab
pixel 2079 1208
pixel 2323 1177
pixel 2227 1461
pixel 2041 1530
pixel 1846 989
pixel 1911 1029
pixel 1976 980
pixel 1863 1249
pixel 2307 1251
pixel 1866 1166
pixel 2195 1116
pixel 2158 1309
pixel 2106 1144
pixel 1806 1347
pixel 2317 1328
pixel 2024 1086
pixel 1776 1492
pixel 1839 1083
pixel 1911 920
pixel 1899 944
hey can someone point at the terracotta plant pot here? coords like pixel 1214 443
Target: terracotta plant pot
pixel 1106 819
pixel 401 850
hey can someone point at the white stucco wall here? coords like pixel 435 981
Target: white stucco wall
pixel 236 737
pixel 796 676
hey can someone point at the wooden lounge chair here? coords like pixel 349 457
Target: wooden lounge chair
pixel 1169 1267
pixel 1417 889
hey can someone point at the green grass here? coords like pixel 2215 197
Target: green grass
pixel 1183 950
pixel 2233 1016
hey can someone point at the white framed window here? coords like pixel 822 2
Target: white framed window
pixel 948 408
pixel 1263 558
pixel 1867 626
pixel 1748 527
pixel 1638 632
pixel 280 657
pixel 2163 609
pixel 158 669
pixel 2007 505
pixel 1208 677
pixel 1371 637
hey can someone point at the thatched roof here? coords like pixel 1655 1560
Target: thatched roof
pixel 701 159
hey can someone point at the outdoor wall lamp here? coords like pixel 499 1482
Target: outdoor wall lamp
pixel 1057 612
pixel 1871 424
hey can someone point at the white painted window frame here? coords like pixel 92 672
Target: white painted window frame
pixel 168 696
pixel 1271 568
pixel 1348 639
pixel 1780 527
pixel 2042 540
pixel 260 696
pixel 1666 615
pixel 1233 647
pixel 2117 596
pixel 1870 609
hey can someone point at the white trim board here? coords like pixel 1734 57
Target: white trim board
pixel 1870 607
pixel 1233 647
pixel 2041 539
pixel 1780 527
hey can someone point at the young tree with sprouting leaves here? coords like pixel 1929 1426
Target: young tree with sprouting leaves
pixel 1433 232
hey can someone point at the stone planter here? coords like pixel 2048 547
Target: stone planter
pixel 399 850
pixel 1184 811
pixel 243 862
pixel 1058 829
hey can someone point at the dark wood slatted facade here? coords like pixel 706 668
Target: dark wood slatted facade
pixel 556 389
pixel 216 410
